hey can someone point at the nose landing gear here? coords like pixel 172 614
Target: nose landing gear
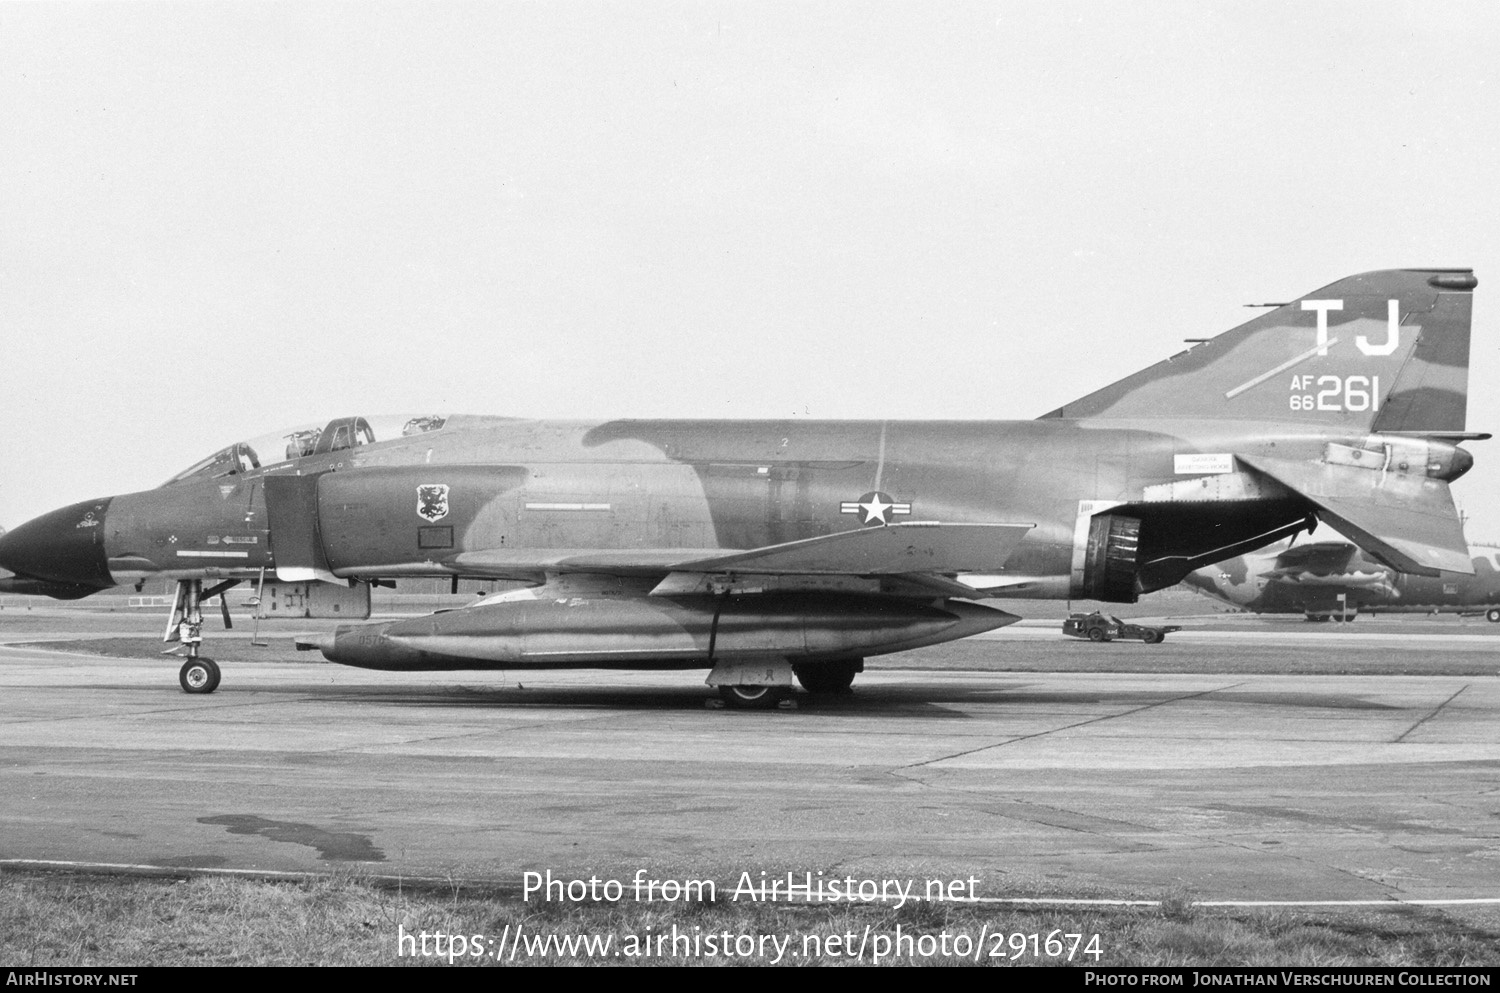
pixel 185 626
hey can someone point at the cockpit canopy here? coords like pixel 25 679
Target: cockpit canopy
pixel 305 441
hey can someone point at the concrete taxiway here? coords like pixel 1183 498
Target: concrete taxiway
pixel 1233 787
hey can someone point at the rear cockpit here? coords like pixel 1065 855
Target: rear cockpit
pixel 282 448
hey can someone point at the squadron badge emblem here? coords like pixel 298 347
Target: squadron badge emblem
pixel 875 508
pixel 432 502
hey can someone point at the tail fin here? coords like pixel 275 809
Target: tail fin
pixel 1387 349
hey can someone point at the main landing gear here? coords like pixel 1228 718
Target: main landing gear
pixel 764 686
pixel 828 677
pixel 747 697
pixel 1321 618
pixel 185 626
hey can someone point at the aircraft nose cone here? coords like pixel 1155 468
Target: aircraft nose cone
pixel 65 546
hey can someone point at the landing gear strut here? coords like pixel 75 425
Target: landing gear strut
pixel 198 674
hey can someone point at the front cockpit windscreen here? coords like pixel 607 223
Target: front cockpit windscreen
pixel 293 444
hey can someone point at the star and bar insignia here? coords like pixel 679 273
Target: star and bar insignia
pixel 875 508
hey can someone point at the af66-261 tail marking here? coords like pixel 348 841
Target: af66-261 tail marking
pixel 1355 393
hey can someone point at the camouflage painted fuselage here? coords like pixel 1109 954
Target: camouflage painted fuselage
pixel 660 485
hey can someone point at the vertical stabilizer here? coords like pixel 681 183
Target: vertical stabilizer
pixel 1388 348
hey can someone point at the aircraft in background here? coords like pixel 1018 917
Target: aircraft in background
pixel 1326 580
pixel 768 550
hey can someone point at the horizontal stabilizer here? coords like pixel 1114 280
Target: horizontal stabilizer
pixel 895 549
pixel 1407 521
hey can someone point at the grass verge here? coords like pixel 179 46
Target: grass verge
pixel 84 920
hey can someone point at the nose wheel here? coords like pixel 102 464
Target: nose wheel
pixel 199 675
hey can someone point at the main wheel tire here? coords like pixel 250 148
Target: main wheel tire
pixel 1152 637
pixel 1096 634
pixel 828 677
pixel 199 676
pixel 751 697
pixel 1492 615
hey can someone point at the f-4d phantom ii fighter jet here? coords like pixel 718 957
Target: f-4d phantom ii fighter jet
pixel 761 550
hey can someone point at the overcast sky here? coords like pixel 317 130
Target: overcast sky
pixel 219 219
